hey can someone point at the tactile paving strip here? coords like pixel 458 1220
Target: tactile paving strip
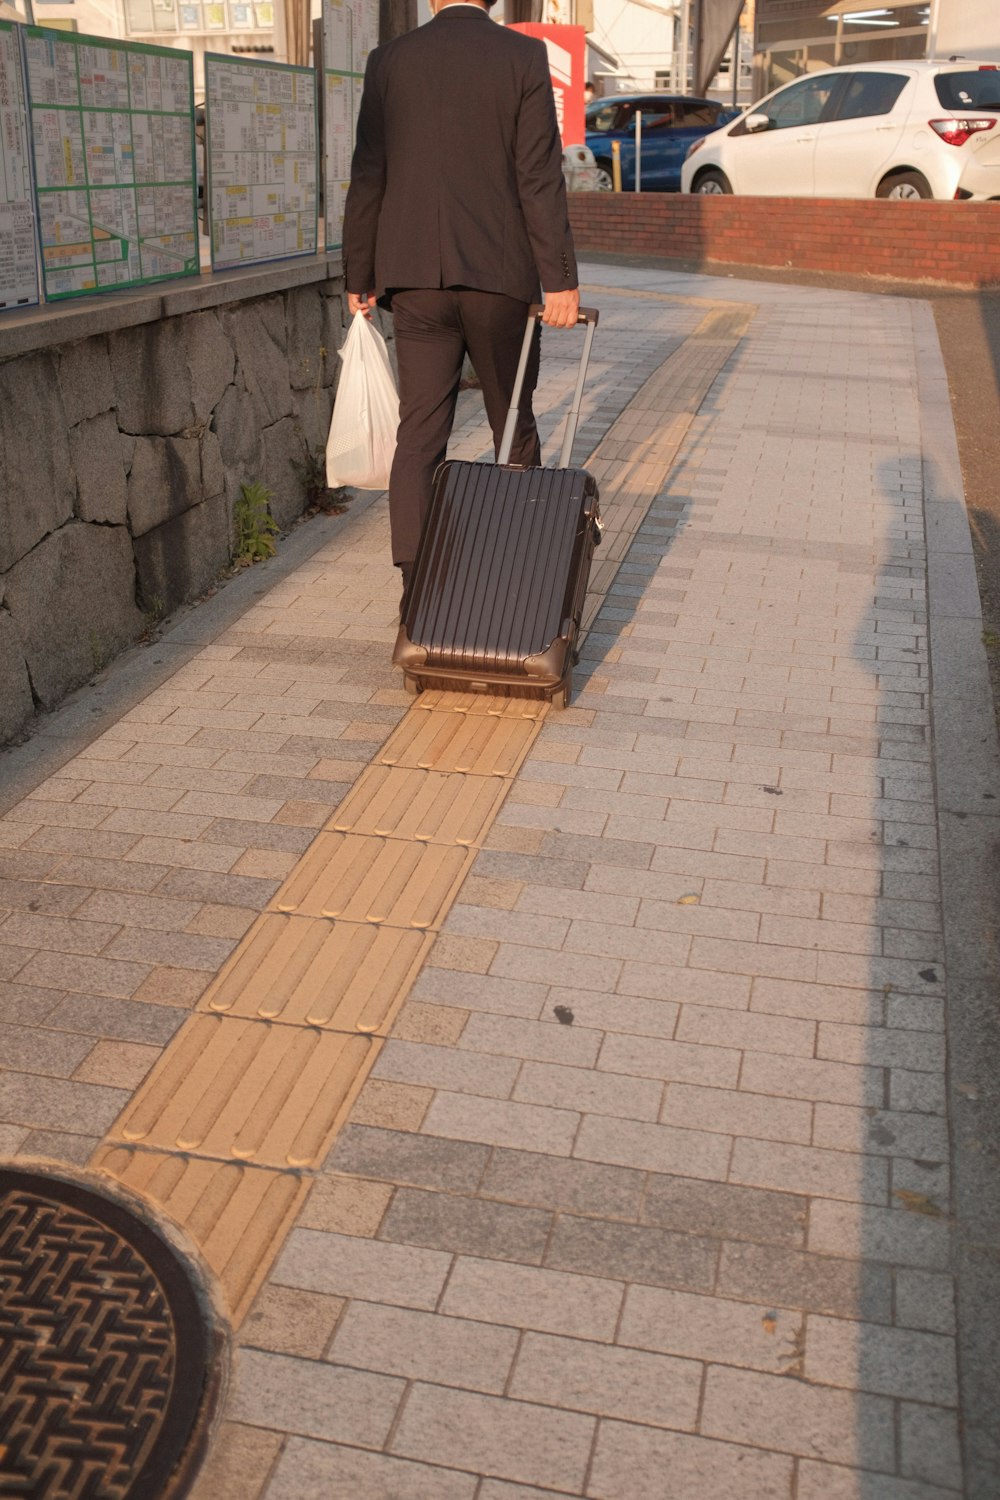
pixel 246 1100
pixel 341 976
pixel 248 1091
pixel 238 1214
pixel 443 740
pixel 368 879
pixel 426 806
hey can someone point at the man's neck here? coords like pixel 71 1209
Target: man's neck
pixel 447 4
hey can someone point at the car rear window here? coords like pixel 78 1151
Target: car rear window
pixel 973 89
pixel 870 94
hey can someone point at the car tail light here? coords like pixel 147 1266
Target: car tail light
pixel 695 145
pixel 958 129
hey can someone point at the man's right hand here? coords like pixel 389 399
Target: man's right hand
pixel 561 309
pixel 362 302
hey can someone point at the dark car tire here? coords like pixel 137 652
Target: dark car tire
pixel 905 186
pixel 712 182
pixel 605 181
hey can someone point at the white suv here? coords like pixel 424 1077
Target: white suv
pixel 875 130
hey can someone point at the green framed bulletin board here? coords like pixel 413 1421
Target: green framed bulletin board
pixel 113 129
pixel 350 32
pixel 18 235
pixel 262 140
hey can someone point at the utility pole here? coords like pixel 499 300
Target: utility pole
pixel 696 62
pixel 682 51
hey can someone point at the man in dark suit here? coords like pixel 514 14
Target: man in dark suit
pixel 456 217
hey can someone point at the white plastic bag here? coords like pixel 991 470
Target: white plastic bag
pixel 362 436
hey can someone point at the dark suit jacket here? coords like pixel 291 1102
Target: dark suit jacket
pixel 457 173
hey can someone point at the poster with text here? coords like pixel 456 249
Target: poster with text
pixel 350 32
pixel 262 151
pixel 113 131
pixel 18 233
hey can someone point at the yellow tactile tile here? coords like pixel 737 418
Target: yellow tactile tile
pixel 427 806
pixel 366 879
pixel 306 971
pixel 238 1216
pixel 440 740
pixel 480 704
pixel 248 1091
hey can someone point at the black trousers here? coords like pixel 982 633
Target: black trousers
pixel 434 330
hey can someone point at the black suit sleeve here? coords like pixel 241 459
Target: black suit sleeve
pixel 540 182
pixel 364 196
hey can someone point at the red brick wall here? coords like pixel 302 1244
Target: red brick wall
pixel 957 243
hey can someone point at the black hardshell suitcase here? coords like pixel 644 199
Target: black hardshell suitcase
pixel 500 575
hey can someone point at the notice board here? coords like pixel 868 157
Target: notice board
pixel 262 143
pixel 18 237
pixel 350 32
pixel 113 130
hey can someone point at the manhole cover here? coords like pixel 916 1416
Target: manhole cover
pixel 109 1362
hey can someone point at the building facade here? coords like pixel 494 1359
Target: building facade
pixel 792 37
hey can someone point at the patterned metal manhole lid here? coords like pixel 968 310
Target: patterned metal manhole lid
pixel 110 1357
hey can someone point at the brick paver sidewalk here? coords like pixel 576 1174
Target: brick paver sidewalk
pixel 647 1192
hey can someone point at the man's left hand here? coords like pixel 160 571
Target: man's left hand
pixel 561 309
pixel 362 302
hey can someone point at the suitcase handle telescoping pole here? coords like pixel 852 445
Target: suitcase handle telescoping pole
pixel 587 315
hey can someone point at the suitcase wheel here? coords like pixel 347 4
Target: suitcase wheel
pixel 561 696
pixel 412 685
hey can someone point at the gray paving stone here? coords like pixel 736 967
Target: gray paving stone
pixel 551 1182
pixel 60 1145
pixel 29 1049
pixel 808 1169
pixel 892 1361
pixel 59 1104
pixel 497 996
pixel 712 1329
pixel 313 1399
pixel 632 1462
pixel 674 1062
pixel 779 1412
pixel 655 1148
pixel 343 1266
pixel 632 1252
pixel 549 1301
pixel 445 1221
pixel 620 1013
pixel 425 1346
pixel 308 1468
pixel 497 1122
pixel 589 1091
pixel 116 1020
pixel 542 1041
pixel 931 1447
pixel 925 1299
pixel 446 1068
pixel 637 1387
pixel 800 1279
pixel 725 1210
pixel 512 1440
pixel 24 1005
pixel 399 1156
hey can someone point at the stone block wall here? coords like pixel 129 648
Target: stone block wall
pixel 121 460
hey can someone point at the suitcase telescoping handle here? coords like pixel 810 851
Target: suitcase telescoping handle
pixel 587 315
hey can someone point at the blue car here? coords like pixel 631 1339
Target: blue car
pixel 670 123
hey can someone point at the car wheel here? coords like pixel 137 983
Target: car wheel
pixel 713 182
pixel 605 181
pixel 905 186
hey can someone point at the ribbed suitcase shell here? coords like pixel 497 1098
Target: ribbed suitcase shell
pixel 499 581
